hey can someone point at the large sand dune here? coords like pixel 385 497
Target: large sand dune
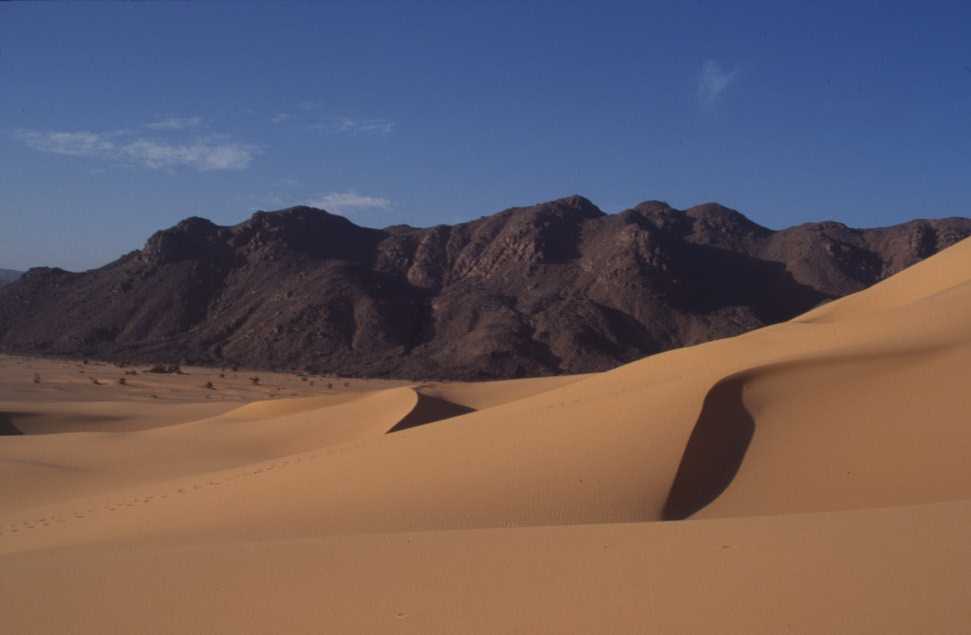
pixel 817 471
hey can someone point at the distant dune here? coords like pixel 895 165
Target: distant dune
pixel 558 287
pixel 806 477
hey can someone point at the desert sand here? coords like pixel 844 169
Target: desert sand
pixel 806 477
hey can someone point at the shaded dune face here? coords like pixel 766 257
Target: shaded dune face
pixel 16 422
pixel 835 432
pixel 429 410
pixel 7 425
pixel 714 453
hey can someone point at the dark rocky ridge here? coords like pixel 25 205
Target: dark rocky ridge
pixel 558 287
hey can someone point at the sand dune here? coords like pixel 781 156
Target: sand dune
pixel 826 455
pixel 64 466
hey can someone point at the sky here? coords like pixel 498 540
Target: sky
pixel 117 120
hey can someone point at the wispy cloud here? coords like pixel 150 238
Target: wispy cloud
pixel 203 156
pixel 119 146
pixel 348 125
pixel 345 202
pixel 714 81
pixel 321 120
pixel 72 144
pixel 175 123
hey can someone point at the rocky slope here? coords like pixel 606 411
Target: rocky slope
pixel 552 288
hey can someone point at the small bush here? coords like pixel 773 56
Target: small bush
pixel 122 381
pixel 94 380
pixel 255 380
pixel 209 385
pixel 36 378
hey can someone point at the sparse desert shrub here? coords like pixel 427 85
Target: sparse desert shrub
pixel 222 375
pixel 303 378
pixel 330 386
pixel 209 386
pixel 131 372
pixel 122 381
pixel 255 380
pixel 94 380
pixel 36 378
pixel 347 384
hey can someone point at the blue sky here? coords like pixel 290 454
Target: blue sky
pixel 120 119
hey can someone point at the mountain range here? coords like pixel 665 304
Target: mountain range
pixel 557 287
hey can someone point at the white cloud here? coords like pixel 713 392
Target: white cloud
pixel 203 155
pixel 72 144
pixel 347 125
pixel 281 117
pixel 714 81
pixel 344 202
pixel 175 123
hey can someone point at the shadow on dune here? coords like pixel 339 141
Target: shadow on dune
pixel 430 409
pixel 7 428
pixel 37 423
pixel 714 451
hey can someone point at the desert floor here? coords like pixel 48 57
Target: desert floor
pixel 809 477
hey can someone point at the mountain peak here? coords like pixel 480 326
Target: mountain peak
pixel 189 238
pixel 297 213
pixel 715 217
pixel 579 203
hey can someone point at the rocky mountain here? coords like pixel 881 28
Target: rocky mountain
pixel 559 287
pixel 8 275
